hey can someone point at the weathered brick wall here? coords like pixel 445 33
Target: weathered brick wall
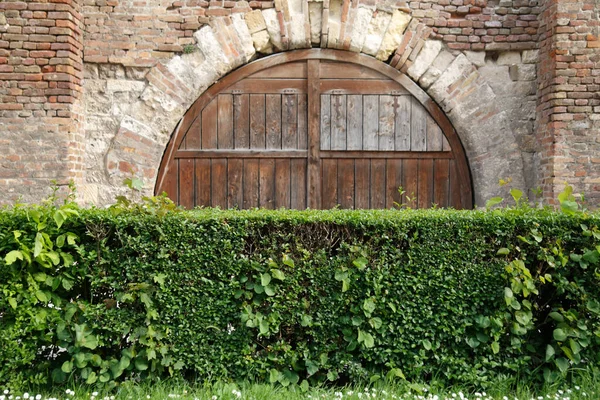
pixel 41 135
pixel 568 112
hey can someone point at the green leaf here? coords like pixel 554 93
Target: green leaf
pixel 39 245
pixel 39 276
pixel 494 201
pixel 67 283
pixel 516 194
pixel 562 364
pixel 556 316
pixel 536 235
pixel 67 367
pixel 559 335
pixel 265 279
pixel 395 373
pixel 592 257
pixel 41 296
pixel 92 378
pixel 141 364
pixel 360 263
pixel 593 306
pixel 569 207
pixel 304 386
pixel 12 302
pixel 345 285
pixel 264 326
pixel 159 278
pixel 269 290
pixel 54 257
pixel 495 347
pixel 427 344
pixel 72 238
pixel 311 367
pixel 288 261
pixel 366 339
pixel 274 375
pixel 278 274
pixel 549 352
pixel 375 322
pixel 291 376
pixel 13 256
pixel 59 217
pixel 369 306
pixel 503 252
pixel 58 376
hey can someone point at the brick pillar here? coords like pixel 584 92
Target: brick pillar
pixel 41 133
pixel 568 111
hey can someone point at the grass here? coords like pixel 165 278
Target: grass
pixel 583 386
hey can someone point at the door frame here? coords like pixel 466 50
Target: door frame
pixel 313 58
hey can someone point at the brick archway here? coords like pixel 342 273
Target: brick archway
pixel 449 78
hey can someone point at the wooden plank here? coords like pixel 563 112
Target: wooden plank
pixel 435 137
pixel 378 183
pixel 410 176
pixel 393 182
pixel 257 121
pixel 373 154
pixel 219 183
pixel 235 191
pixel 370 122
pixel 355 122
pixel 455 189
pixel 355 86
pixel 295 70
pixel 446 145
pixel 268 86
pixel 203 174
pixel 336 70
pixel 362 181
pixel 329 177
pixel 225 122
pixel 298 184
pixel 289 122
pixel 242 154
pixel 386 123
pixel 273 121
pixel 325 122
pixel 171 181
pixel 193 137
pixel 282 183
pixel 209 125
pixel 346 183
pixel 425 197
pixel 267 183
pixel 313 177
pixel 441 180
pixel 186 184
pixel 250 184
pixel 338 122
pixel 418 127
pixel 241 121
pixel 303 121
pixel 402 106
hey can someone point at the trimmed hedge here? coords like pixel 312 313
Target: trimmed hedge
pixel 288 296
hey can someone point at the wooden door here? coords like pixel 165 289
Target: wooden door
pixel 317 129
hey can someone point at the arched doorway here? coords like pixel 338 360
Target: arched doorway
pixel 315 128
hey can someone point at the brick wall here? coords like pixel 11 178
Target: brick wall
pixel 41 50
pixel 568 112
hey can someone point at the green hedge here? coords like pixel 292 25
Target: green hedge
pixel 107 295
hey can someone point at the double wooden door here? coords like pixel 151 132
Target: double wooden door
pixel 315 129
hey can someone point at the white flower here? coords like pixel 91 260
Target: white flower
pixel 214 398
pixel 38 397
pixel 25 395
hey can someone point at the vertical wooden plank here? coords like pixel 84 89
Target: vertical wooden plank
pixel 435 137
pixel 402 106
pixel 425 197
pixel 325 122
pixel 370 122
pixel 418 126
pixel 203 175
pixel 282 183
pixel 386 123
pixel 355 123
pixel 209 125
pixel 362 181
pixel 219 183
pixel 171 182
pixel 298 184
pixel 393 181
pixel 186 183
pixel 250 183
pixel 410 175
pixel 273 121
pixel 346 183
pixel 235 170
pixel 303 121
pixel 329 177
pixel 225 121
pixel 313 167
pixel 193 138
pixel 241 121
pixel 289 122
pixel 378 183
pixel 257 121
pixel 441 180
pixel 338 122
pixel 267 183
pixel 455 191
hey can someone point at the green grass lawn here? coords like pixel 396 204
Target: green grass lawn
pixel 583 386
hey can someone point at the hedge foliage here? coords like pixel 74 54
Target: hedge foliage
pixel 102 296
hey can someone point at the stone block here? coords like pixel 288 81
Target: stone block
pixel 476 57
pixel 377 28
pixel 315 14
pixel 509 58
pixel 393 35
pixel 241 28
pixel 255 21
pixel 273 27
pixel 262 42
pixel 212 51
pixel 439 65
pixel 426 57
pixel 459 68
pixel 530 56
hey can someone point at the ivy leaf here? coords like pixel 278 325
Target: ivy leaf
pixel 263 326
pixel 569 207
pixel 559 335
pixel 345 285
pixel 494 201
pixel 366 339
pixel 369 306
pixel 265 279
pixel 549 352
pixel 58 376
pixel 593 306
pixel 269 290
pixel 160 279
pixel 41 296
pixel 556 316
pixel 141 364
pixel 427 344
pixel 13 256
pixel 288 261
pixel 67 367
pixel 274 375
pixel 562 364
pixel 311 367
pixel 12 302
pixel 503 252
pixel 360 263
pixel 278 274
pixel 495 347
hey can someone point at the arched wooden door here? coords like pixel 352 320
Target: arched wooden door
pixel 317 129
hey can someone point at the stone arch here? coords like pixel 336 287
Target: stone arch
pixel 451 78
